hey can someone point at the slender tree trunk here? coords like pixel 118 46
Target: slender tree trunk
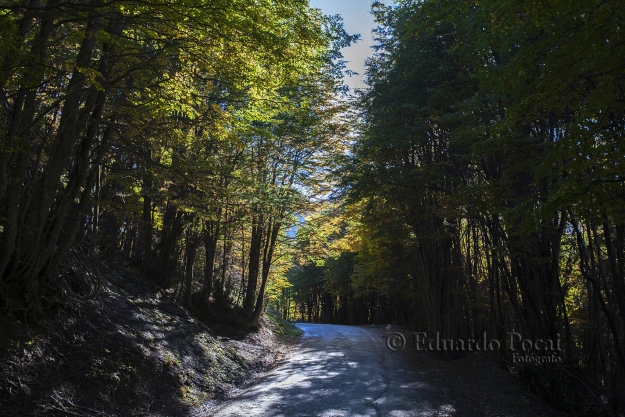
pixel 253 266
pixel 211 237
pixel 274 230
pixel 190 252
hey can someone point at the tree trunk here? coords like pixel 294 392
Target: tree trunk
pixel 273 231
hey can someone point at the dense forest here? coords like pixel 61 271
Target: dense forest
pixel 484 190
pixel 476 185
pixel 182 136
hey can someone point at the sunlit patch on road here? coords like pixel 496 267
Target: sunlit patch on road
pixel 339 371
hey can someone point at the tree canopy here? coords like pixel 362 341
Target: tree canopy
pixel 149 129
pixel 484 188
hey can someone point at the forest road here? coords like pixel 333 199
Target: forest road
pixel 339 371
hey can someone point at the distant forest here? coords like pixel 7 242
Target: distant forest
pixel 476 185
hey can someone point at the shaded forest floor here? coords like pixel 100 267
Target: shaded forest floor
pixel 477 384
pixel 128 352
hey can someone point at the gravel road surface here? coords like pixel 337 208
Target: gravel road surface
pixel 339 371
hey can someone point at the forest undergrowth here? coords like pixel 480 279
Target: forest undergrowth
pixel 129 351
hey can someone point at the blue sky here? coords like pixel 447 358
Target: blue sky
pixel 356 19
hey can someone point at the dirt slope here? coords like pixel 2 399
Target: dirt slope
pixel 129 352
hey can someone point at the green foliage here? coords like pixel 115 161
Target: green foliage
pixel 152 129
pixel 488 177
pixel 280 326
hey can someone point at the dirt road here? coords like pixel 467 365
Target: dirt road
pixel 339 371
